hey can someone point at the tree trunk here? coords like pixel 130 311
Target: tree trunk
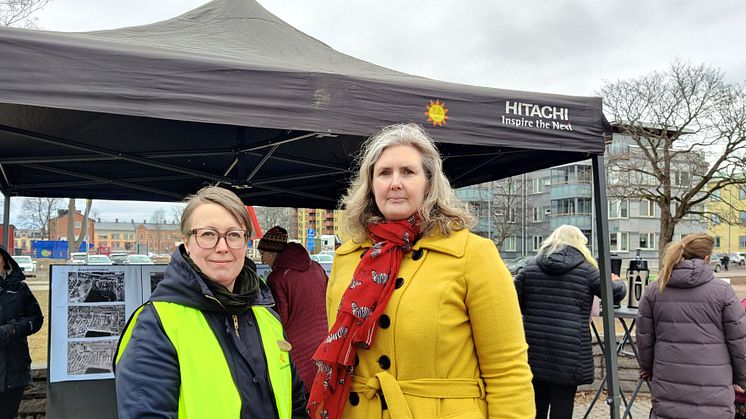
pixel 72 241
pixel 666 232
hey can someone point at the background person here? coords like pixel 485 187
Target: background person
pixel 555 292
pixel 206 345
pixel 425 319
pixel 691 335
pixel 20 316
pixel 298 285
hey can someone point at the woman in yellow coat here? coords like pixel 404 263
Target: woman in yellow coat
pixel 426 322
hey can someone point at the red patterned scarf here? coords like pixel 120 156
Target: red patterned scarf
pixel 361 306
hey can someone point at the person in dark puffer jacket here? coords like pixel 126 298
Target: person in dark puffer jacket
pixel 691 336
pixel 555 292
pixel 20 316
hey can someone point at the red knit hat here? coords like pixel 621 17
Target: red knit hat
pixel 274 240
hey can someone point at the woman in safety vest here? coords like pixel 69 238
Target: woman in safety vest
pixel 207 345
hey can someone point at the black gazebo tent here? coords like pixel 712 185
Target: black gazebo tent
pixel 230 93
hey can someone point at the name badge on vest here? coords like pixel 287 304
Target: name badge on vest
pixel 284 345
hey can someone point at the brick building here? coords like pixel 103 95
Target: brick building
pixel 159 238
pixel 58 226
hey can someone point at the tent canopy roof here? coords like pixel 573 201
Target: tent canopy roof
pixel 230 93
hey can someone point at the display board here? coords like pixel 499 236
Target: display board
pixel 88 309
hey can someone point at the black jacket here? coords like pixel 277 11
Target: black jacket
pixel 556 292
pixel 20 316
pixel 156 394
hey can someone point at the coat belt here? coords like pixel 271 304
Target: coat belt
pixel 394 390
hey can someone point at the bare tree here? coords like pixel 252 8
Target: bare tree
pixel 36 212
pixel 177 211
pixel 20 12
pixel 506 214
pixel 73 243
pixel 273 216
pixel 686 129
pixel 158 218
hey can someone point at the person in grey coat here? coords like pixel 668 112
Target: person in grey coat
pixel 691 336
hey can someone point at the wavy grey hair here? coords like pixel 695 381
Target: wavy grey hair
pixel 440 208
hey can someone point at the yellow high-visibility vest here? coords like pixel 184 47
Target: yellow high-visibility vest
pixel 207 386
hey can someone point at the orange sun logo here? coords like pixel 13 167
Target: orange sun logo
pixel 436 113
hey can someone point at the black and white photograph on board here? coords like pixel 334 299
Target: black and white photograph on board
pixel 95 287
pixel 90 357
pixel 95 321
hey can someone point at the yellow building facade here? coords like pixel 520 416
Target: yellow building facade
pixel 727 209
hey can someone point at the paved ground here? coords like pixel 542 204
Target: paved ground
pixel 640 407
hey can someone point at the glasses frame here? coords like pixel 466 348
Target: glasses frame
pixel 224 236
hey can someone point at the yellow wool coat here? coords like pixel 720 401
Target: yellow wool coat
pixel 450 343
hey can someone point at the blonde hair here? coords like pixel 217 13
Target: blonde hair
pixel 440 208
pixel 567 235
pixel 692 246
pixel 214 195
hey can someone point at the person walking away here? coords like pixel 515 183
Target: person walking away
pixel 425 320
pixel 691 335
pixel 555 293
pixel 20 316
pixel 207 345
pixel 298 285
pixel 725 261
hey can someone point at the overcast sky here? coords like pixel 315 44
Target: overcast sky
pixel 566 47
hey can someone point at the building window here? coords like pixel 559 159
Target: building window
pixel 563 206
pixel 742 217
pixel 537 185
pixel 537 242
pixel 715 195
pixel 647 208
pixel 538 214
pixel 647 241
pixel 585 206
pixel 742 241
pixel 681 178
pixel 618 208
pixel 511 215
pixel 618 242
pixel 77 224
pixel 741 193
pixel 717 241
pixel 715 219
pixel 509 244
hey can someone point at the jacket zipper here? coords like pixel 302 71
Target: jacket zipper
pixel 235 318
pixel 235 325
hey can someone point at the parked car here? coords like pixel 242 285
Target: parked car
pixel 516 265
pixel 715 263
pixel 78 258
pixel 118 258
pixel 99 260
pixel 738 258
pixel 27 265
pixel 138 260
pixel 323 258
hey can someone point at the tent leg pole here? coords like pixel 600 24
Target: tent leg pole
pixel 607 303
pixel 6 223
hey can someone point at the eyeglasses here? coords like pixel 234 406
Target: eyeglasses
pixel 207 238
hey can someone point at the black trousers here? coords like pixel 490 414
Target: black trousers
pixel 560 398
pixel 10 400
